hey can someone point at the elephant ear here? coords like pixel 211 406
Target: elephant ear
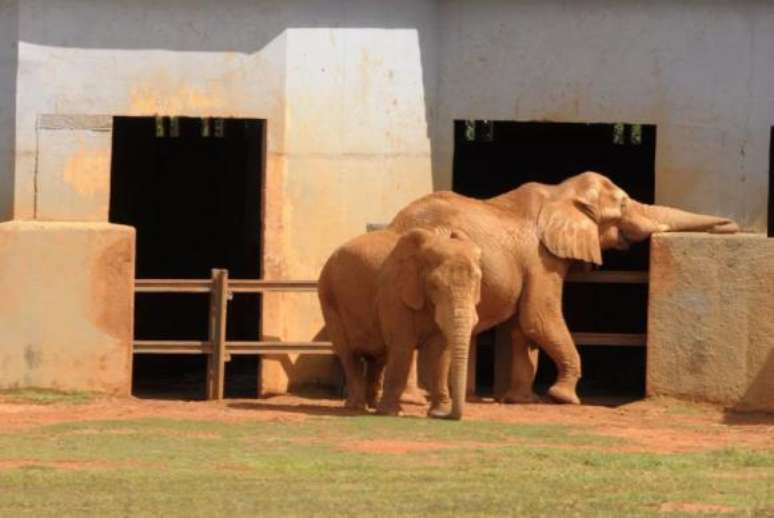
pixel 408 281
pixel 568 229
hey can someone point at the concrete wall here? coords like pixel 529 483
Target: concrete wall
pixel 344 89
pixel 8 66
pixel 696 69
pixel 710 325
pixel 66 310
pixel 360 100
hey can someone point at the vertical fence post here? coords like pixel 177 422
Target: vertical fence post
pixel 216 361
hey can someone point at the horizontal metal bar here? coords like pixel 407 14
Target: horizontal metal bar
pixel 170 289
pixel 610 339
pixel 172 285
pixel 236 347
pixel 260 285
pixel 266 347
pixel 172 347
pixel 609 277
pixel 234 286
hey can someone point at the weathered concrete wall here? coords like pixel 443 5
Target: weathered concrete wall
pixel 356 151
pixel 66 310
pixel 343 88
pixel 360 100
pixel 142 58
pixel 710 325
pixel 8 65
pixel 696 69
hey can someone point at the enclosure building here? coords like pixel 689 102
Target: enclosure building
pixel 161 139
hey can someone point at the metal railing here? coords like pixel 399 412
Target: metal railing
pixel 221 289
pixel 217 348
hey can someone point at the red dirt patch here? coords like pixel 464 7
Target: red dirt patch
pixel 694 507
pixel 58 464
pixel 660 425
pixel 389 446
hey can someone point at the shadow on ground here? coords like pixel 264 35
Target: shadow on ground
pixel 318 410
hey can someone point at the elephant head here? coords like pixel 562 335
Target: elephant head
pixel 441 271
pixel 588 213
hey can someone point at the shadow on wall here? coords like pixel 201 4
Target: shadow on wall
pixel 759 395
pixel 327 376
pixel 237 26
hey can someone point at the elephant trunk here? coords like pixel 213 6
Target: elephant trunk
pixel 459 344
pixel 669 219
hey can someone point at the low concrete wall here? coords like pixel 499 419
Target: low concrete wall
pixel 711 319
pixel 67 306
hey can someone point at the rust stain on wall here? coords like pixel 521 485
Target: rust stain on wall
pixel 111 295
pixel 87 171
pixel 159 97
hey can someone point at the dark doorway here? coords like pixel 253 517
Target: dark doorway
pixel 492 157
pixel 771 185
pixel 192 189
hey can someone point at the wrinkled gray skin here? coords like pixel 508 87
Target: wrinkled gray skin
pixel 529 237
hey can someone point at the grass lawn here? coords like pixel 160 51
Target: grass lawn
pixel 361 466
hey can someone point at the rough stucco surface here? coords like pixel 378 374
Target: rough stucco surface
pixel 360 100
pixel 66 310
pixel 699 70
pixel 8 65
pixel 72 162
pixel 711 319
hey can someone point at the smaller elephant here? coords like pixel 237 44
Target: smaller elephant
pixel 347 290
pixel 428 290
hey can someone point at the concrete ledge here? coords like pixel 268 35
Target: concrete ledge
pixel 66 311
pixel 711 319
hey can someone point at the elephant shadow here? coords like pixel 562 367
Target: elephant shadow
pixel 302 408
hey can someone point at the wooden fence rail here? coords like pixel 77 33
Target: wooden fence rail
pixel 221 289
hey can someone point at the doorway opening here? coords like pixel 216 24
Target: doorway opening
pixel 492 157
pixel 192 188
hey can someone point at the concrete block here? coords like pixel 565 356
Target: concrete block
pixel 711 319
pixel 66 311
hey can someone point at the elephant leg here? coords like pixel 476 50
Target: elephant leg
pixel 374 375
pixel 523 369
pixel 413 395
pixel 440 400
pixel 542 322
pixel 356 384
pixel 395 378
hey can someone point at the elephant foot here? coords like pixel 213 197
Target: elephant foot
pixel 388 410
pixel 414 396
pixel 449 416
pixel 520 397
pixel 373 400
pixel 560 394
pixel 355 404
pixel 440 410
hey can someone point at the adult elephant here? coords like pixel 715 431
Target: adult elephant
pixel 529 237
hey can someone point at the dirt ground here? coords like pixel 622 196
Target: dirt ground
pixel 656 425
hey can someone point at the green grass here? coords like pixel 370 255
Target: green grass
pixel 37 396
pixel 159 467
